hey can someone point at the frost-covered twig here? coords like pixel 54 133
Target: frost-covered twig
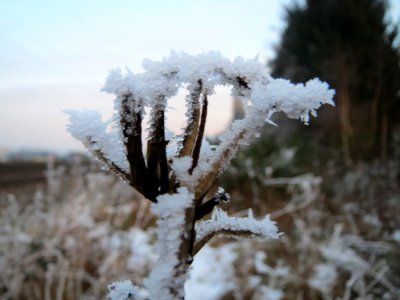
pixel 222 224
pixel 87 127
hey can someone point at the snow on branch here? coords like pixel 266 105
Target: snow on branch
pixel 222 224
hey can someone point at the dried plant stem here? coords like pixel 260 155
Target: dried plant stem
pixel 200 135
pixel 198 245
pixel 157 165
pixel 192 127
pixel 207 181
pixel 112 166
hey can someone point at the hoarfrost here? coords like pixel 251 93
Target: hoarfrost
pixel 181 167
pixel 171 212
pixel 250 81
pixel 221 223
pixel 86 126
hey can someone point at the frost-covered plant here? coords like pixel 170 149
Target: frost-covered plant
pixel 177 173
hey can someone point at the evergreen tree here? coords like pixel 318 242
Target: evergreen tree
pixel 351 45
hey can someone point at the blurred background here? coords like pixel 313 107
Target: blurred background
pixel 67 228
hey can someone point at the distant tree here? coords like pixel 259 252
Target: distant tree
pixel 351 45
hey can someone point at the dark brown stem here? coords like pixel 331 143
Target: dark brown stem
pixel 205 183
pixel 131 124
pixel 157 164
pixel 207 207
pixel 198 245
pixel 113 167
pixel 200 134
pixel 192 127
pixel 185 257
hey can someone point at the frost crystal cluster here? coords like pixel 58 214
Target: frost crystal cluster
pixel 177 173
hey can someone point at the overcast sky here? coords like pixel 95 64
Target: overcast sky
pixel 55 55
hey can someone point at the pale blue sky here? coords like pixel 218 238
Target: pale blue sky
pixel 57 41
pixel 55 54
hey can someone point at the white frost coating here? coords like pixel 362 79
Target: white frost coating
pixel 119 84
pixel 295 100
pixel 181 166
pixel 170 210
pixel 267 97
pixel 87 127
pixel 221 223
pixel 250 81
pixel 266 94
pixel 123 290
